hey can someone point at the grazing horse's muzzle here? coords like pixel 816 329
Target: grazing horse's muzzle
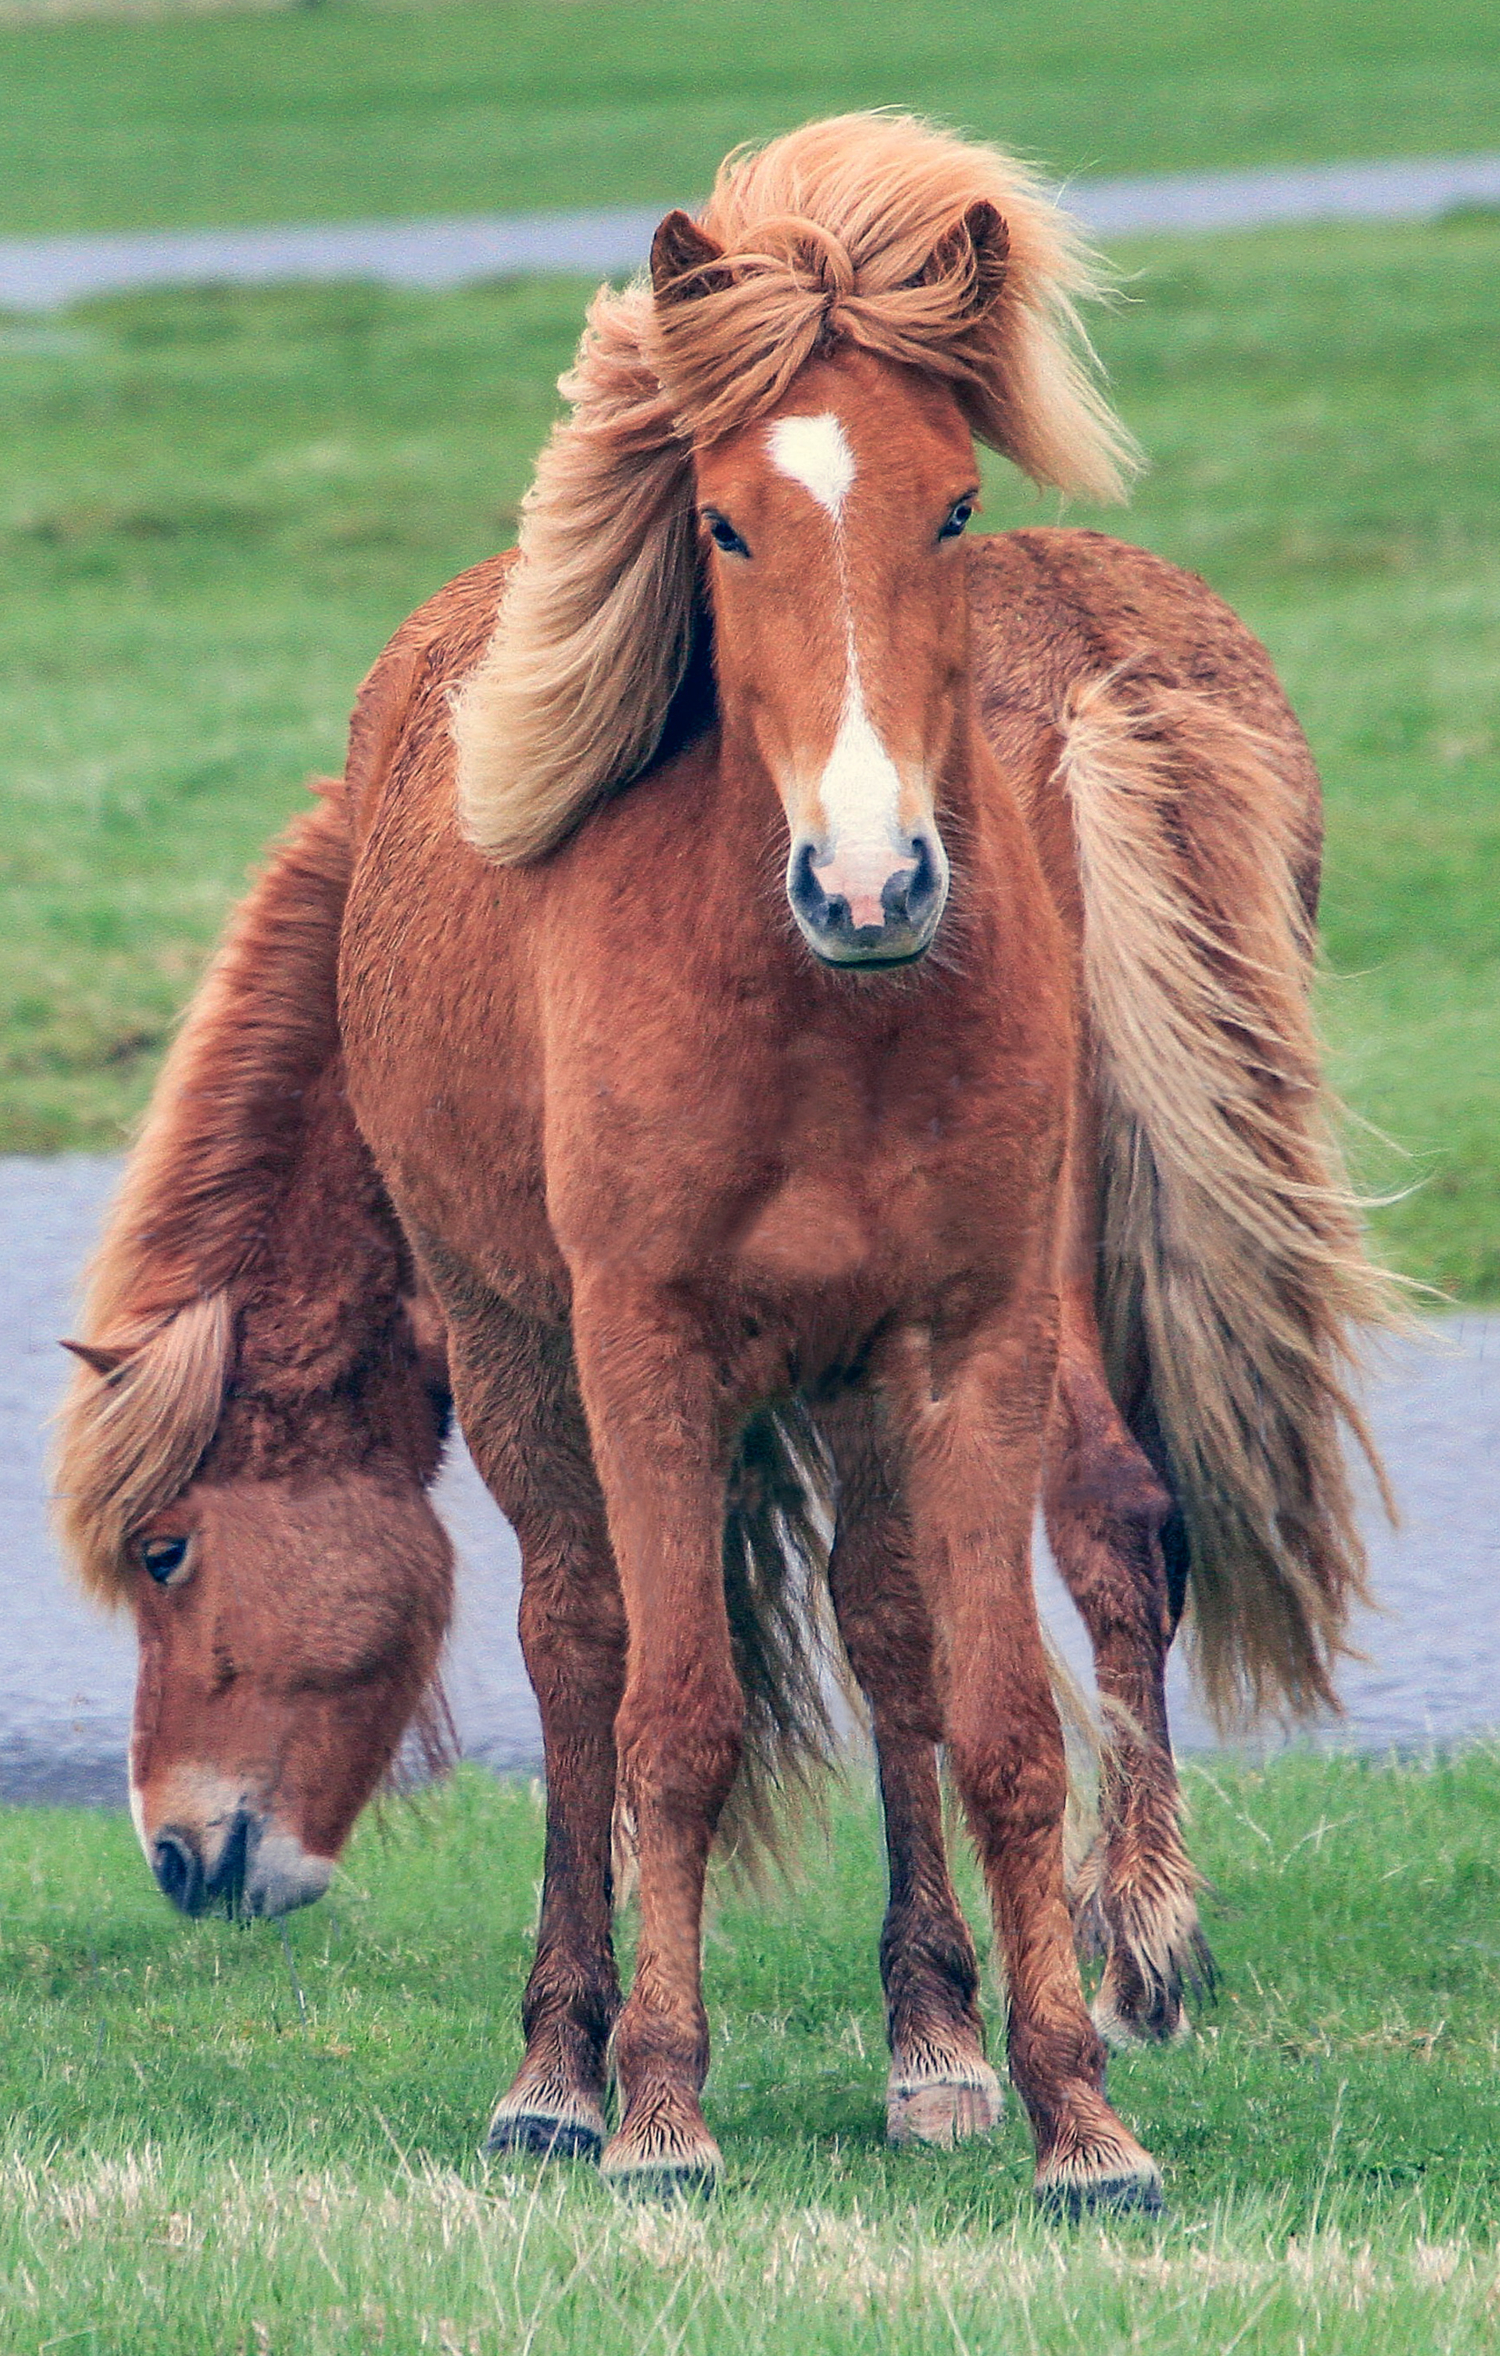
pixel 254 1869
pixel 859 910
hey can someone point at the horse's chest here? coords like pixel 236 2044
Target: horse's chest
pixel 831 1187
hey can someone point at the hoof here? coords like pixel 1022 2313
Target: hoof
pixel 662 2185
pixel 942 2112
pixel 1124 2031
pixel 574 2131
pixel 1071 2194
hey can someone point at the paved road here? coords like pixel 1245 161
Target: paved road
pixel 66 1674
pixel 40 273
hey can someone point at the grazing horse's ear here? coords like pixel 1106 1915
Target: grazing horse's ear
pixel 980 237
pixel 104 1362
pixel 680 255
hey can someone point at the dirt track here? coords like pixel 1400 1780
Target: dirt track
pixel 39 273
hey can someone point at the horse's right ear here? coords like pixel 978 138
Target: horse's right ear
pixel 681 253
pixel 104 1362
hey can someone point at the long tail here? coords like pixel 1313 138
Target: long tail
pixel 1234 1283
pixel 778 1531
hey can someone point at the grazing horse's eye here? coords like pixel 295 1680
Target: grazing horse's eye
pixel 955 519
pixel 723 534
pixel 165 1558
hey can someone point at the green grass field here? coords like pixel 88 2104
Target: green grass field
pixel 357 108
pixel 215 506
pixel 217 2140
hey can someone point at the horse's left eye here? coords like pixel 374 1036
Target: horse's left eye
pixel 957 516
pixel 162 1558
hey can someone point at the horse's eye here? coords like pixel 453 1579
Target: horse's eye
pixel 723 534
pixel 163 1558
pixel 954 521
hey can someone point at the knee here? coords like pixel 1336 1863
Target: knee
pixel 1015 1783
pixel 680 1737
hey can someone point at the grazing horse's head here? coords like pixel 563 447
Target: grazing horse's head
pixel 833 531
pixel 257 1413
pixel 289 1632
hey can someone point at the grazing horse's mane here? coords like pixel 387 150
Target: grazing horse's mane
pixel 191 1219
pixel 873 230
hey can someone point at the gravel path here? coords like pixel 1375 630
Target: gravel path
pixel 66 1674
pixel 40 273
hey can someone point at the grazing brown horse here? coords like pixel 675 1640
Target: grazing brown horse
pixel 264 1401
pixel 900 1100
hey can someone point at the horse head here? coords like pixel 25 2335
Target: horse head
pixel 289 1631
pixel 840 616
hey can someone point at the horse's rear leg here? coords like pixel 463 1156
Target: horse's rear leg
pixel 520 1412
pixel 1136 1895
pixel 662 1417
pixel 941 2089
pixel 972 1418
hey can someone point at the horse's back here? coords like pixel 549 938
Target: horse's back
pixel 1055 611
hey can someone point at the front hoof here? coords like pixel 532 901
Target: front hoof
pixel 1066 2193
pixel 662 2160
pixel 573 2130
pixel 661 2185
pixel 942 2112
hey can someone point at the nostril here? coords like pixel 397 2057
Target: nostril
pixel 179 1873
pixel 922 877
pixel 804 891
pixel 898 894
pixel 228 1882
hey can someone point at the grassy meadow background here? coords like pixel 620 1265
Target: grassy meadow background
pixel 222 2139
pixel 214 507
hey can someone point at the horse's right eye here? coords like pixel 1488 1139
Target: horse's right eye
pixel 162 1558
pixel 723 534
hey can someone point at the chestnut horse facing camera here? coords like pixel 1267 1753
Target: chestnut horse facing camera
pixel 897 1106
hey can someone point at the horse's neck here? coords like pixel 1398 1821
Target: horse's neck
pixel 331 1268
pixel 330 1368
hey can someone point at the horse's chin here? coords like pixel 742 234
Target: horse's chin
pixel 843 958
pixel 282 1876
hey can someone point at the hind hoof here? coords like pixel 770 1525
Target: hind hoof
pixel 1123 2031
pixel 942 2112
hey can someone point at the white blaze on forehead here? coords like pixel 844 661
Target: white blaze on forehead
pixel 815 452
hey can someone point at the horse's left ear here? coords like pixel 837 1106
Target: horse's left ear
pixel 103 1360
pixel 982 237
pixel 680 255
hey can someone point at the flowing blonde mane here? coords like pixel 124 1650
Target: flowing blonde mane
pixel 852 230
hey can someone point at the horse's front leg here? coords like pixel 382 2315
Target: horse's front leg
pixel 523 1420
pixel 661 1432
pixel 972 1414
pixel 941 2089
